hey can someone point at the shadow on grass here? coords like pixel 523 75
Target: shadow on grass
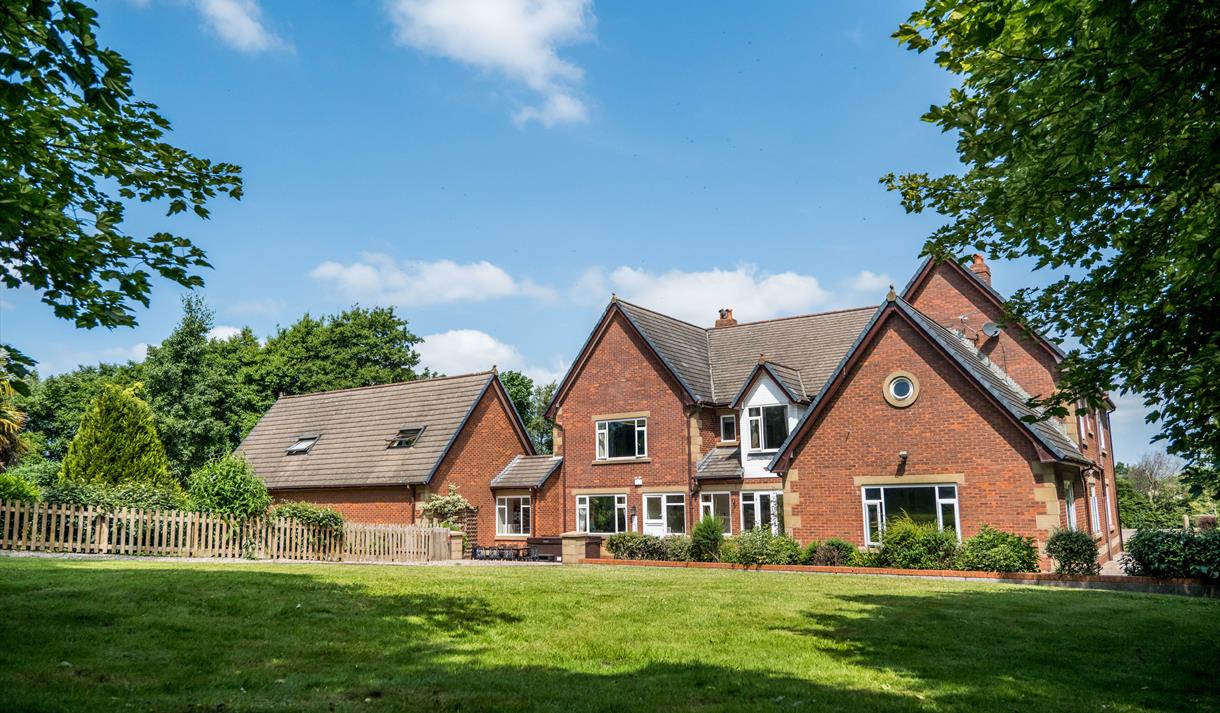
pixel 1023 648
pixel 77 638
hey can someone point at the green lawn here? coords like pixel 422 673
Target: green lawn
pixel 152 636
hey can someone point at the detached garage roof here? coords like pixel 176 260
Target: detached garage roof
pixel 393 434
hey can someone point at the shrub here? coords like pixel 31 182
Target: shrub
pixel 676 548
pixel 15 488
pixel 807 553
pixel 997 551
pixel 1173 553
pixel 40 473
pixel 833 553
pixel 706 539
pixel 117 442
pixel 907 544
pixel 228 486
pixel 634 546
pixel 759 546
pixel 310 514
pixel 867 558
pixel 445 508
pixel 1073 552
pixel 112 497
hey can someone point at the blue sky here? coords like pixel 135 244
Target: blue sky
pixel 496 168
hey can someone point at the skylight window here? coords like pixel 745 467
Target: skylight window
pixel 406 437
pixel 302 445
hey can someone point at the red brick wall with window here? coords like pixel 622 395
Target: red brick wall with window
pixel 381 506
pixel 950 428
pixel 622 376
pixel 484 447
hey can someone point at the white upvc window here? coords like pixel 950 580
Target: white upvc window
pixel 728 428
pixel 513 515
pixel 1069 502
pixel 664 514
pixel 922 503
pixel 1082 423
pixel 1094 515
pixel 601 514
pixel 1109 522
pixel 768 427
pixel 1101 430
pixel 627 438
pixel 762 509
pixel 717 505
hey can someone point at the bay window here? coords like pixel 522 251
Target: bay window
pixel 513 515
pixel 927 504
pixel 768 427
pixel 762 509
pixel 622 439
pixel 601 514
pixel 716 505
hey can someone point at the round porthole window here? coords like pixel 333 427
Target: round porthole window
pixel 901 389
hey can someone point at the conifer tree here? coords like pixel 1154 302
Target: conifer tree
pixel 117 443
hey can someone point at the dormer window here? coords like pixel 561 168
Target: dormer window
pixel 303 444
pixel 406 437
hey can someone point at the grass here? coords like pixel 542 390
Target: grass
pixel 128 635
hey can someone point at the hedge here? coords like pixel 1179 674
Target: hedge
pixel 1174 553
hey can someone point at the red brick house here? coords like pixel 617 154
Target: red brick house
pixel 376 453
pixel 827 425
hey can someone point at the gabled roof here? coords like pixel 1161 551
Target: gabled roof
pixel 925 271
pixel 712 364
pixel 1049 441
pixel 356 425
pixel 720 463
pixel 527 472
pixel 785 377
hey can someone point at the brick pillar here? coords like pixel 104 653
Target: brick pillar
pixel 455 545
pixel 578 546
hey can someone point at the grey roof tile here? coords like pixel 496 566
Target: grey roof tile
pixel 721 462
pixel 355 427
pixel 527 472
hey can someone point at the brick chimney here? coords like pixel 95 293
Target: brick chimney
pixel 726 318
pixel 980 269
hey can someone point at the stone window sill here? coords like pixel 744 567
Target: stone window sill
pixel 622 461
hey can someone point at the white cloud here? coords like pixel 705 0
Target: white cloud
pixel 65 361
pixel 462 351
pixel 384 280
pixel 868 281
pixel 239 24
pixel 518 39
pixel 223 332
pixel 266 307
pixel 5 304
pixel 696 296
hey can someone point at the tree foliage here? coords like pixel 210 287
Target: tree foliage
pixel 228 486
pixel 531 401
pixel 117 442
pixel 55 405
pixel 12 420
pixel 1088 131
pixel 1151 492
pixel 76 147
pixel 187 392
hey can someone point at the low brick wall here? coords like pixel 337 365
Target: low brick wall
pixel 1149 585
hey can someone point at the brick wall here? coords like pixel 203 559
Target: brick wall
pixel 622 376
pixel 484 447
pixel 952 428
pixel 381 506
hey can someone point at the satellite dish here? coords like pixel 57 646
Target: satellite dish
pixel 991 329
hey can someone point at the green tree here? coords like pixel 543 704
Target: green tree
pixel 228 486
pixel 117 442
pixel 542 429
pixel 12 420
pixel 358 347
pixel 1088 132
pixel 520 390
pixel 245 400
pixel 76 147
pixel 55 406
pixel 186 392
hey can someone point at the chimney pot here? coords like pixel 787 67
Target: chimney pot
pixel 980 269
pixel 726 318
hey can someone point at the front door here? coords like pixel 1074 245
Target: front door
pixel 654 515
pixel 665 514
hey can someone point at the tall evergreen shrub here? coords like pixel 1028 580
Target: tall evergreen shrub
pixel 117 443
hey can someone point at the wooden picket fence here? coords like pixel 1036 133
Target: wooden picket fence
pixel 53 527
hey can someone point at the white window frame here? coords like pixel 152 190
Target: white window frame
pixel 602 448
pixel 527 512
pixel 753 419
pixel 582 513
pixel 1094 515
pixel 1109 522
pixel 732 418
pixel 1069 499
pixel 1082 424
pixel 878 504
pixel 707 508
pixel 749 500
pixel 668 500
pixel 1101 431
pixel 302 445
